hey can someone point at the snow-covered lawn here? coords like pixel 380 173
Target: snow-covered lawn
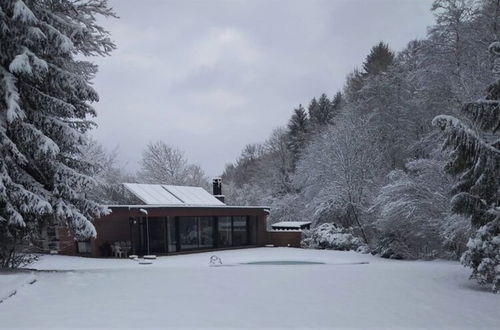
pixel 184 292
pixel 11 282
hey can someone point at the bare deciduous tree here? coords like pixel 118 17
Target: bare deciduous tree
pixel 164 164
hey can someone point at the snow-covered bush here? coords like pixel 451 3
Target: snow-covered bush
pixel 395 245
pixel 414 219
pixel 483 255
pixel 15 248
pixel 455 232
pixel 332 237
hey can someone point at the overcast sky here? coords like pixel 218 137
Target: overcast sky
pixel 210 77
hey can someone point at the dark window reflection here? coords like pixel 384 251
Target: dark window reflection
pixel 206 234
pixel 188 232
pixel 240 235
pixel 225 236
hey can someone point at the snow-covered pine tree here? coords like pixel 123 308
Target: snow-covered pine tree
pixel 298 128
pixel 313 107
pixel 476 160
pixel 45 106
pixel 336 104
pixel 322 113
pixel 379 59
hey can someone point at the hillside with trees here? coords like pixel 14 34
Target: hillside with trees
pixel 371 159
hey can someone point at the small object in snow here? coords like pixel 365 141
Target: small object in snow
pixel 214 260
pixel 269 245
pixel 133 256
pixel 150 257
pixel 54 252
pixel 145 262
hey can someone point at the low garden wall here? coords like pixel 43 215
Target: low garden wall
pixel 290 238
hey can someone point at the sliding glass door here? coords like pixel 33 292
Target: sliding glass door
pixel 156 229
pixel 171 234
pixel 206 232
pixel 188 232
pixel 225 235
pixel 240 231
pixel 236 231
pixel 196 233
pixel 174 234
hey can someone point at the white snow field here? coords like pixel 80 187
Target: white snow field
pixel 349 291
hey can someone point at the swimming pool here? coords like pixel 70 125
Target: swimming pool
pixel 284 262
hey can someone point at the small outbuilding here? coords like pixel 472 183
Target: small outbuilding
pixel 291 225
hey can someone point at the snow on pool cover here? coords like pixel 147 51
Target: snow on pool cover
pixel 283 262
pixel 299 262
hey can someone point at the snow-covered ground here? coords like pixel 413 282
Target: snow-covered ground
pixel 184 292
pixel 11 282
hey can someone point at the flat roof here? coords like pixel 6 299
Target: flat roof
pixel 291 224
pixel 188 206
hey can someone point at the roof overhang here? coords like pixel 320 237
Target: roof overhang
pixel 181 206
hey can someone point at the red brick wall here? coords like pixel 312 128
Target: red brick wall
pixel 262 230
pixel 67 243
pixel 285 238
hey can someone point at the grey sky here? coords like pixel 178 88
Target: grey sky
pixel 210 77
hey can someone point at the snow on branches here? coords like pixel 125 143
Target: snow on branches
pixel 476 161
pixel 45 106
pixel 332 237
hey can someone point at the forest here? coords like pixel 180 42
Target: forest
pixel 404 161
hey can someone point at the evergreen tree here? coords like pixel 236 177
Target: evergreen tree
pixel 298 127
pixel 313 108
pixel 321 112
pixel 379 59
pixel 336 104
pixel 354 83
pixel 476 160
pixel 45 96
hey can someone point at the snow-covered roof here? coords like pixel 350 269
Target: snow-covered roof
pixel 163 206
pixel 161 194
pixel 291 224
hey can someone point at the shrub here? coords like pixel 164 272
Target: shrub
pixel 483 255
pixel 332 237
pixel 15 250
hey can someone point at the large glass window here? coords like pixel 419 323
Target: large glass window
pixel 156 235
pixel 84 247
pixel 196 232
pixel 188 232
pixel 206 227
pixel 240 232
pixel 225 236
pixel 171 238
pixel 252 227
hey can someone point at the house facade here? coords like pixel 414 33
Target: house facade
pixel 172 219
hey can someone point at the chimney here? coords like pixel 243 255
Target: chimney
pixel 217 189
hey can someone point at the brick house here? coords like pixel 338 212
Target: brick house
pixel 167 219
